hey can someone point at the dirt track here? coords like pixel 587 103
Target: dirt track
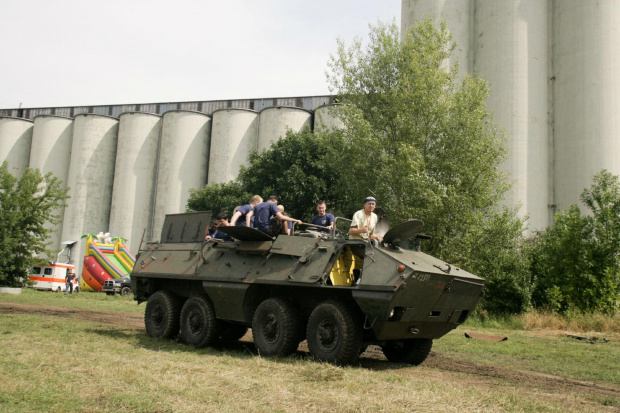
pixel 570 392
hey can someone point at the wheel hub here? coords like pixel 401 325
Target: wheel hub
pixel 270 328
pixel 327 335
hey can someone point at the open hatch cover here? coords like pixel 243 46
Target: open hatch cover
pixel 403 232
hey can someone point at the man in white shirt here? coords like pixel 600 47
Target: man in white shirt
pixel 364 222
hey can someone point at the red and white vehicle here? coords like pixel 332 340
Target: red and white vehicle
pixel 51 277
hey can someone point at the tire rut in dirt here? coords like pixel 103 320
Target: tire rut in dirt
pixel 334 334
pixel 161 317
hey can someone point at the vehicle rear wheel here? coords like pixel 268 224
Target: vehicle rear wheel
pixel 232 332
pixel 333 333
pixel 412 351
pixel 161 316
pixel 58 289
pixel 126 290
pixel 199 327
pixel 275 328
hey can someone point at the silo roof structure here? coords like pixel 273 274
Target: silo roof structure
pixel 15 142
pixel 326 118
pixel 234 135
pixel 276 120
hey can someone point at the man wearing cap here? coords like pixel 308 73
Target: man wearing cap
pixel 364 222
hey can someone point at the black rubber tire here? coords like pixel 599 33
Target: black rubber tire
pixel 109 293
pixel 199 327
pixel 231 332
pixel 161 316
pixel 275 328
pixel 334 334
pixel 126 291
pixel 411 351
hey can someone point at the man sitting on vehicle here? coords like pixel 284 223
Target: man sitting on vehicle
pixel 364 222
pixel 262 214
pixel 222 221
pixel 238 218
pixel 323 218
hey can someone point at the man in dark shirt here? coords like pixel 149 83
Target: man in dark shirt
pixel 262 214
pixel 238 218
pixel 222 220
pixel 323 219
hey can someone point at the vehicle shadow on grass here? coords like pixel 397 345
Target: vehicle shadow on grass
pixel 371 359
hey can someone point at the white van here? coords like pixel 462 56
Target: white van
pixel 51 277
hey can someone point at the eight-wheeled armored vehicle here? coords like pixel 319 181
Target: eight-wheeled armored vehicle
pixel 339 294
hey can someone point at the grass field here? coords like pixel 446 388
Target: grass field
pixel 89 353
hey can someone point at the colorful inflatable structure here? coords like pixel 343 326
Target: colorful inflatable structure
pixel 105 258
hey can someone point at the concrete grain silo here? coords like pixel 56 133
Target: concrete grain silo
pixel 91 175
pixel 326 118
pixel 458 16
pixel 586 94
pixel 234 135
pixel 135 175
pixel 276 120
pixel 15 141
pixel 183 162
pixel 511 53
pixel 507 42
pixel 52 137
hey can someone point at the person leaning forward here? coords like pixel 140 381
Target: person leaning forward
pixel 238 218
pixel 262 214
pixel 364 222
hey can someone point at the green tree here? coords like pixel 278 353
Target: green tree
pixel 294 169
pixel 218 198
pixel 420 139
pixel 26 205
pixel 575 262
pixel 422 142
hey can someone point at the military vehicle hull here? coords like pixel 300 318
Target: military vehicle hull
pixel 341 295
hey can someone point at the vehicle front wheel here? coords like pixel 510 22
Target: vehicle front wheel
pixel 161 316
pixel 126 291
pixel 199 327
pixel 334 335
pixel 275 328
pixel 412 351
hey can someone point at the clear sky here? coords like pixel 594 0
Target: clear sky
pixel 84 52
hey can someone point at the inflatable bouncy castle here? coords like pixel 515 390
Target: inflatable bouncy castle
pixel 105 258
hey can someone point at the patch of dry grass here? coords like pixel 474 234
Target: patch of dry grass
pixel 52 364
pixel 539 320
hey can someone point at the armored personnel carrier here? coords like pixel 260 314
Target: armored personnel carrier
pixel 340 295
